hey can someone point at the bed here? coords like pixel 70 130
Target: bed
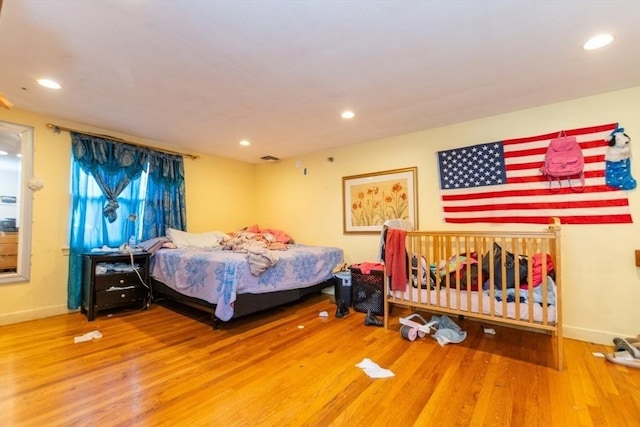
pixel 485 276
pixel 221 282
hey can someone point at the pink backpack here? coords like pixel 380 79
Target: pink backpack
pixel 564 159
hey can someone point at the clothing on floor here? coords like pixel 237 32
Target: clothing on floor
pixel 448 331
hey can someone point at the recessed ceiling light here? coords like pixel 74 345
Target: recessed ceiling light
pixel 598 41
pixel 49 84
pixel 3 153
pixel 348 115
pixel 245 143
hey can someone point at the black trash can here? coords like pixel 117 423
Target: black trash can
pixel 342 280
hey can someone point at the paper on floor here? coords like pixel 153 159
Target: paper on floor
pixel 87 337
pixel 373 370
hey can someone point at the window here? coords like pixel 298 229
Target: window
pixel 95 228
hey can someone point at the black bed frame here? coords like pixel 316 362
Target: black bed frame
pixel 245 303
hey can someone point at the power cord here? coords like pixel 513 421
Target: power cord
pixel 136 269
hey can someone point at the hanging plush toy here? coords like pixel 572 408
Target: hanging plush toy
pixel 618 161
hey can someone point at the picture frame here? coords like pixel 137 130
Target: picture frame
pixel 368 200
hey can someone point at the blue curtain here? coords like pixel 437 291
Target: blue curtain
pixel 113 165
pixel 165 198
pixel 105 175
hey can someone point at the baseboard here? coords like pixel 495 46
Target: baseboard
pixel 40 313
pixel 594 336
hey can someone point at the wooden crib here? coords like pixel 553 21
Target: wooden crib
pixel 485 276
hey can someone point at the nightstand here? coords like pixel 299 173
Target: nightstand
pixel 8 251
pixel 109 281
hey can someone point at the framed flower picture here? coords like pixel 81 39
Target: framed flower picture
pixel 368 200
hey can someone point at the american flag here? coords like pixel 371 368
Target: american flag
pixel 501 182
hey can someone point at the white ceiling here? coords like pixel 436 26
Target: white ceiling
pixel 199 76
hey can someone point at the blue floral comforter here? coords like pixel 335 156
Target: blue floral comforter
pixel 217 275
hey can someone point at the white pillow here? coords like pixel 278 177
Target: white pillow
pixel 182 239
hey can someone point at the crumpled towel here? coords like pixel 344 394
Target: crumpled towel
pixel 87 337
pixel 373 370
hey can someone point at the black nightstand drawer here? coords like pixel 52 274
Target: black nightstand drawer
pixel 108 280
pixel 116 297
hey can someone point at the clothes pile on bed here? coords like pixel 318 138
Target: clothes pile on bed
pixel 259 248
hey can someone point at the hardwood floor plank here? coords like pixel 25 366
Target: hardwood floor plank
pixel 290 367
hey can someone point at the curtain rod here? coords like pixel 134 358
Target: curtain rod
pixel 57 129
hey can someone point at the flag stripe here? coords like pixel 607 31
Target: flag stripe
pixel 522 190
pixel 604 219
pixel 536 205
pixel 574 132
pixel 501 182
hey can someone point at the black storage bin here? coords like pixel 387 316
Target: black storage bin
pixel 342 290
pixel 367 291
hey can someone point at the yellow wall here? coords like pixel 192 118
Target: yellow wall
pixel 601 283
pixel 219 195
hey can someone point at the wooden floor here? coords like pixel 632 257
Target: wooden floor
pixel 290 367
